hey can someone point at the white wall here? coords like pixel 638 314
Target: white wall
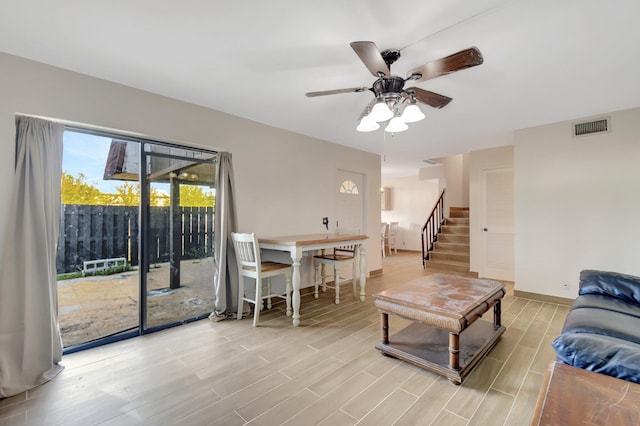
pixel 451 174
pixel 284 181
pixel 478 161
pixel 436 173
pixel 577 203
pixel 456 181
pixel 411 202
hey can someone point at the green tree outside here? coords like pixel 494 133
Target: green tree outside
pixel 195 196
pixel 76 190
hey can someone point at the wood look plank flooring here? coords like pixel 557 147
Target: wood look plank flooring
pixel 326 371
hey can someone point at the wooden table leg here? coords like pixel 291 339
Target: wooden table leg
pixel 295 298
pixel 497 314
pixel 454 351
pixel 384 319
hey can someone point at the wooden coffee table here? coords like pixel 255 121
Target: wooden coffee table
pixel 573 396
pixel 447 336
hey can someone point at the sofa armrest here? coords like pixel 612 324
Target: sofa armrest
pixel 613 284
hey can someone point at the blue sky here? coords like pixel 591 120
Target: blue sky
pixel 87 154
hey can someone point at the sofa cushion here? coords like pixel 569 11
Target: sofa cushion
pixel 625 287
pixel 601 354
pixel 605 302
pixel 603 322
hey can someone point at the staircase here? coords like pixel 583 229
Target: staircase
pixel 451 250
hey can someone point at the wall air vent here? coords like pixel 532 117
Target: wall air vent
pixel 589 127
pixel 430 162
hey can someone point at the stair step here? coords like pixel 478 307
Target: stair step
pixel 458 212
pixel 450 255
pixel 451 247
pixel 455 229
pixel 453 238
pixel 447 265
pixel 451 250
pixel 457 221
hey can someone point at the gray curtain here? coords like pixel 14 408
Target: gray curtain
pixel 30 342
pixel 225 267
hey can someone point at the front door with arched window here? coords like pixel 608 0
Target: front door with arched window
pixel 349 201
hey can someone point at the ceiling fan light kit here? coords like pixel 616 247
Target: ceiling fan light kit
pixel 380 112
pixel 390 95
pixel 396 125
pixel 412 113
pixel 367 124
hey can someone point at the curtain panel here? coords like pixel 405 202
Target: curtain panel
pixel 225 268
pixel 30 342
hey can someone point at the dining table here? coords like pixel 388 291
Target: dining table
pixel 298 245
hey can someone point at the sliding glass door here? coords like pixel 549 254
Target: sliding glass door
pixel 97 257
pixel 178 206
pixel 135 252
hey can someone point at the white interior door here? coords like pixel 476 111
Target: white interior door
pixel 349 201
pixel 498 224
pixel 349 206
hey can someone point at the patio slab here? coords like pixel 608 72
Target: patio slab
pixel 93 307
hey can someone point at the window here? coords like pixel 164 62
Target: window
pixel 349 187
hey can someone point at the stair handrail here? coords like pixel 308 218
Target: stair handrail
pixel 431 228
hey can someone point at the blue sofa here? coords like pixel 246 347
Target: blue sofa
pixel 602 330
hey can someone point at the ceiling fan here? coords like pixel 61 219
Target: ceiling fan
pixel 392 100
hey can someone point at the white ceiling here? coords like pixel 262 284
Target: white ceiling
pixel 544 60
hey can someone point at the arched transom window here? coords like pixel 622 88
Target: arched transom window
pixel 349 187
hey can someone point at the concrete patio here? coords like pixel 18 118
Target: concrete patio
pixel 94 307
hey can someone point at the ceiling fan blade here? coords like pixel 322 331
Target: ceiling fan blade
pixel 430 98
pixel 335 92
pixel 458 61
pixel 371 57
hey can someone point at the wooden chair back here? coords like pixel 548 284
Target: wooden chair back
pixel 247 252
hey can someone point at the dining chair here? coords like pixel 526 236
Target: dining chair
pixel 336 259
pixel 384 234
pixel 391 240
pixel 249 265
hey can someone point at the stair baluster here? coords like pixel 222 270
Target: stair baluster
pixel 431 228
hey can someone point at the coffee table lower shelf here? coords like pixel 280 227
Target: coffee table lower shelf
pixel 428 347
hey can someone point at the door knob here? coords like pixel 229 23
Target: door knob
pixel 485 229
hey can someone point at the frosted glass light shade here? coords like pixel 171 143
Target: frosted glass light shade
pixel 367 124
pixel 396 125
pixel 380 112
pixel 412 113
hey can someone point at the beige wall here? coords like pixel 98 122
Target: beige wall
pixel 577 203
pixel 456 181
pixel 411 201
pixel 478 161
pixel 284 181
pixel 452 174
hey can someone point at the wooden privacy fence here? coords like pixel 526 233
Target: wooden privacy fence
pixel 101 232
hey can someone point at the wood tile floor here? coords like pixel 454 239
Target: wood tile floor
pixel 324 372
